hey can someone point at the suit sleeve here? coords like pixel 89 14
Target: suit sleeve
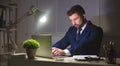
pixel 64 42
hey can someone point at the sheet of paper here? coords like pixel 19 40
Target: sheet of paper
pixel 83 57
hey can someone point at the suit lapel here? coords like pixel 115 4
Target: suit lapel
pixel 85 31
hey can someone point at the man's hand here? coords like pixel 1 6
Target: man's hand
pixel 57 51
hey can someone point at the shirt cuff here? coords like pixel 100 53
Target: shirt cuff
pixel 67 52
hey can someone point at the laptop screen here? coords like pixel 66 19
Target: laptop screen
pixel 45 41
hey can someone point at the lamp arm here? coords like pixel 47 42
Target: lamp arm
pixel 19 20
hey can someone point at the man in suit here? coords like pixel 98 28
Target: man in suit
pixel 83 38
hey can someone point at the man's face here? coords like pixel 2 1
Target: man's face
pixel 76 20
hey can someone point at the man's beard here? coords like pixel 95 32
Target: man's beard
pixel 77 26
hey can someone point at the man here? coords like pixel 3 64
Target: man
pixel 83 38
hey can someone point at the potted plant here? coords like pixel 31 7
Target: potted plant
pixel 31 46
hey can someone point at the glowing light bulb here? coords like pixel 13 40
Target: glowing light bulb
pixel 43 19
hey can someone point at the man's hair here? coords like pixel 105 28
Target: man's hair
pixel 76 9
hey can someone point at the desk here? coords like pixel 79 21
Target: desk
pixel 67 61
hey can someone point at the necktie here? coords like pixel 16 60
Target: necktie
pixel 78 33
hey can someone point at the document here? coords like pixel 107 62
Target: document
pixel 85 57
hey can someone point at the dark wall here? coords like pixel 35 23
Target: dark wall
pixel 110 17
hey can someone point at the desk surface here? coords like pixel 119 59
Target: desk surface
pixel 17 60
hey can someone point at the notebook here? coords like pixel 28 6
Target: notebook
pixel 45 49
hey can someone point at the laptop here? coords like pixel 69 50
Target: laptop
pixel 45 49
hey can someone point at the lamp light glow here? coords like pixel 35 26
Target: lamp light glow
pixel 43 19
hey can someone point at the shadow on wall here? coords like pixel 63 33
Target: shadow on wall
pixel 111 25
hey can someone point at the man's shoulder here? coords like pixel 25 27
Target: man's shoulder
pixel 94 26
pixel 97 27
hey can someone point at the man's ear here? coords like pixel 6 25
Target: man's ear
pixel 84 16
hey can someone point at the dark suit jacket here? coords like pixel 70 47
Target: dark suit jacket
pixel 88 43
